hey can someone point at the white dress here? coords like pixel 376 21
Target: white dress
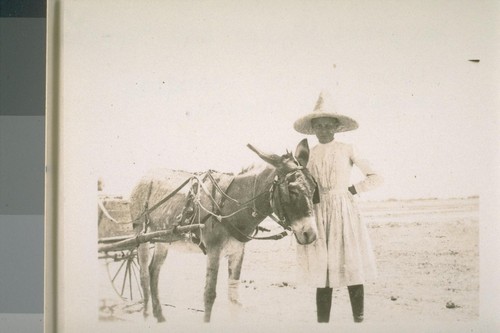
pixel 342 255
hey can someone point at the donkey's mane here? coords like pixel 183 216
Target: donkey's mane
pixel 199 173
pixel 254 168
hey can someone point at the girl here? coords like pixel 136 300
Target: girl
pixel 342 255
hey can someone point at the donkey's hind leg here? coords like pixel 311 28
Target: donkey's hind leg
pixel 235 262
pixel 143 256
pixel 161 251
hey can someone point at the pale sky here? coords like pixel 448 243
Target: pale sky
pixel 186 85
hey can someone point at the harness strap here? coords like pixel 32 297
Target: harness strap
pixel 165 199
pixel 221 191
pixel 234 231
pixel 279 236
pixel 277 209
pixel 146 206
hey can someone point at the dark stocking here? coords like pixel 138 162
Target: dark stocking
pixel 323 304
pixel 356 295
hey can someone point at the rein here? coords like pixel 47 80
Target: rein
pixel 275 204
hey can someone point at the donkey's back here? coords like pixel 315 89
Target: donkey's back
pixel 153 188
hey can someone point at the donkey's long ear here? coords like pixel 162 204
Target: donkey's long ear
pixel 272 159
pixel 302 152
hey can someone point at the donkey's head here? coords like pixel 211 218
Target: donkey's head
pixel 294 191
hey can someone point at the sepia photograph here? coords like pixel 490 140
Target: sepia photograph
pixel 272 166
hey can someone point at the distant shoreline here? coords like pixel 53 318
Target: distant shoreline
pixel 362 200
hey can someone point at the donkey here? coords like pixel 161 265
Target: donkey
pixel 284 187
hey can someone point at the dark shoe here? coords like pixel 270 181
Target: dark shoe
pixel 357 295
pixel 323 304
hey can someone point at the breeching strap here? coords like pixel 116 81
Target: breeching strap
pixel 162 201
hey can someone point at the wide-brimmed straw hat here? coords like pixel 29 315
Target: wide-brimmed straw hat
pixel 324 108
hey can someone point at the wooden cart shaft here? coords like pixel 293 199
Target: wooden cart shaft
pixel 128 242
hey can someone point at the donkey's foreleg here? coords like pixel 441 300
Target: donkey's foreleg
pixel 161 251
pixel 143 256
pixel 213 261
pixel 235 262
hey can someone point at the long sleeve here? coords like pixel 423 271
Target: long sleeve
pixel 372 178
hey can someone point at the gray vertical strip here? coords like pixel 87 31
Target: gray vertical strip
pixel 22 160
pixel 22 93
pixel 21 258
pixel 22 66
pixel 52 258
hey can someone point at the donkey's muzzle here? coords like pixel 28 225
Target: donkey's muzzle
pixel 305 230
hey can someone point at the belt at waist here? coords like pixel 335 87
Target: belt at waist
pixel 323 190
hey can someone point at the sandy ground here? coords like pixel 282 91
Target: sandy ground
pixel 427 254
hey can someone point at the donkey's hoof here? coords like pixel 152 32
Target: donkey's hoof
pixel 159 316
pixel 235 302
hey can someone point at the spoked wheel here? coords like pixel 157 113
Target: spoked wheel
pixel 124 274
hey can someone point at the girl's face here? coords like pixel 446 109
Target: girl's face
pixel 324 128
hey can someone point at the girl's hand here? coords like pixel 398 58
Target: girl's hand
pixel 352 189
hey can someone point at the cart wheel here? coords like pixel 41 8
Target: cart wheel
pixel 124 274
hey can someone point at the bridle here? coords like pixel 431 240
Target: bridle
pixel 280 195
